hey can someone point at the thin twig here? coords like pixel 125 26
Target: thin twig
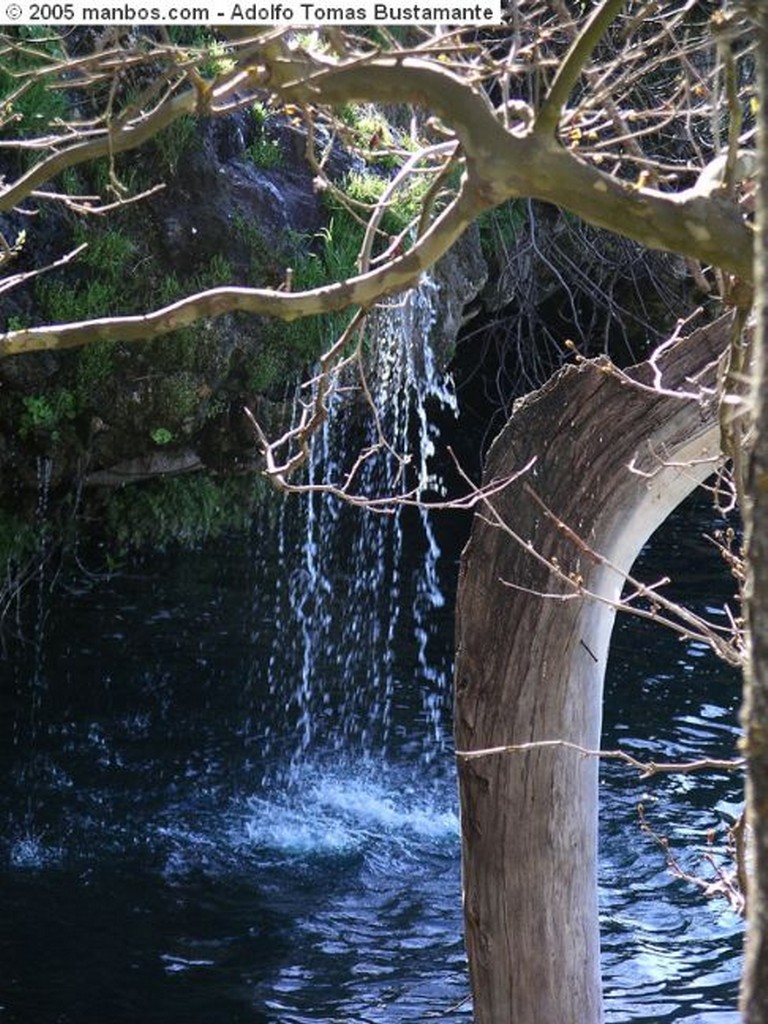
pixel 645 768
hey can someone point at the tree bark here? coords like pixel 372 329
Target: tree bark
pixel 754 991
pixel 531 668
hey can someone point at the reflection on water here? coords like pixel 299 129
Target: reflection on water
pixel 153 867
pixel 669 954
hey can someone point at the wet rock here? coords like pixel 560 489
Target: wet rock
pixel 460 276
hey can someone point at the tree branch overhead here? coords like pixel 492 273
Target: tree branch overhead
pixel 532 158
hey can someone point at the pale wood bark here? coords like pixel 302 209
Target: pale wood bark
pixel 531 668
pixel 754 992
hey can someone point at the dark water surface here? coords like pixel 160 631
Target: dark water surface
pixel 200 823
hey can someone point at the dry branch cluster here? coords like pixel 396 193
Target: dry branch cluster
pixel 608 115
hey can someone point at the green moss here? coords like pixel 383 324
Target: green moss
pixel 183 509
pixel 94 370
pixel 500 227
pixel 271 366
pixel 102 282
pixel 264 262
pixel 161 435
pixel 218 272
pixel 174 142
pixel 171 288
pixel 71 181
pixel 175 396
pixel 109 251
pixel 61 301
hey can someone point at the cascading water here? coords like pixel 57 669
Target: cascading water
pixel 358 590
pixel 26 847
pixel 357 774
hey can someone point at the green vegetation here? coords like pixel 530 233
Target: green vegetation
pixel 165 383
pixel 103 280
pixel 332 255
pixel 190 36
pixel 64 301
pixel 170 287
pixel 261 114
pixel 28 105
pixel 178 392
pixel 306 339
pixel 371 135
pixel 500 227
pixel 219 271
pixel 265 152
pixel 217 54
pixel 182 509
pixel 174 142
pixel 341 240
pixel 122 271
pixel 218 59
pixel 161 435
pixel 264 266
pixel 109 251
pixel 71 181
pixel 95 367
pixel 271 366
pixel 44 414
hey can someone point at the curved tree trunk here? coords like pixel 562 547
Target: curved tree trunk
pixel 531 668
pixel 754 991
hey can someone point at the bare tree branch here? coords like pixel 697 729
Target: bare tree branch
pixel 646 768
pixel 507 152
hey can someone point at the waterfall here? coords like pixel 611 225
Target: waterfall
pixel 27 847
pixel 359 589
pixel 44 467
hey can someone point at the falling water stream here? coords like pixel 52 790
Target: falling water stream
pixel 228 791
pixel 359 587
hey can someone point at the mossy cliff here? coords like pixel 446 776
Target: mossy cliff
pixel 150 442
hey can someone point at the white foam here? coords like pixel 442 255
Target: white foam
pixel 333 813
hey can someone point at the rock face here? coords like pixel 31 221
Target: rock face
pixel 218 188
pixel 115 413
pixel 460 276
pixel 239 206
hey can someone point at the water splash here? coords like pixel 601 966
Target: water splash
pixel 335 813
pixel 31 851
pixel 368 811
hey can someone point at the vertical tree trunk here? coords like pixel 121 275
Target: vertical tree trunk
pixel 530 668
pixel 754 993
